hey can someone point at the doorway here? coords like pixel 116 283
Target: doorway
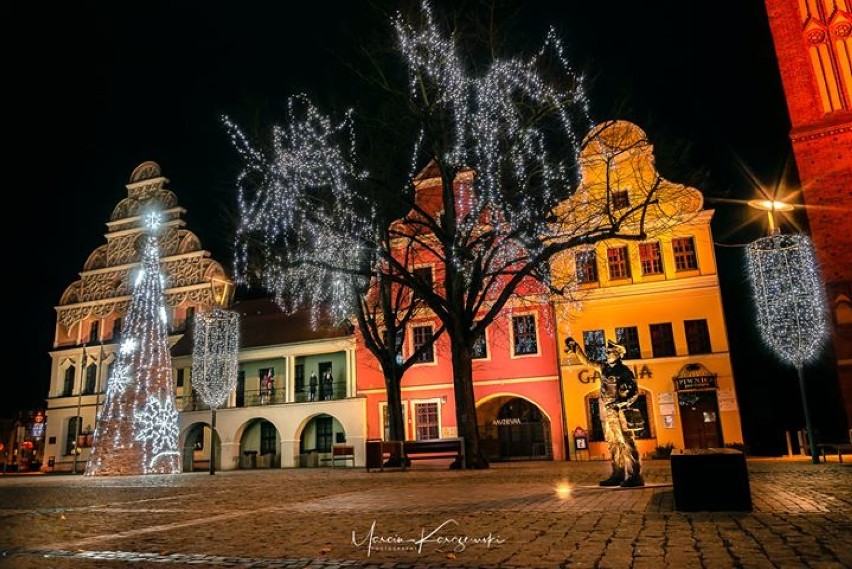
pixel 699 418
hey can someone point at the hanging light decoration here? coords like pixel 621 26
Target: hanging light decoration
pixel 215 360
pixel 791 309
pixel 791 312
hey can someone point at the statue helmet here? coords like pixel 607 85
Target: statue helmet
pixel 617 348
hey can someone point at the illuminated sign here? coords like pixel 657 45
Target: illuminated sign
pixel 695 383
pixel 591 376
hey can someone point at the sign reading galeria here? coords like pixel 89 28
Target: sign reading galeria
pixel 591 376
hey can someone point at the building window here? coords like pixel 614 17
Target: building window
pixel 75 425
pixel 94 331
pixel 697 336
pixel 426 415
pixel 91 379
pixel 587 266
pixel 620 199
pixel 423 337
pixel 662 340
pixel 525 335
pixel 267 438
pixel 594 344
pixel 596 432
pixel 68 386
pixel 618 262
pixel 480 348
pixel 684 254
pixel 400 335
pixel 424 276
pixel 300 378
pixel 199 440
pixel 325 430
pixel 180 377
pixel 629 338
pixel 116 329
pixel 651 258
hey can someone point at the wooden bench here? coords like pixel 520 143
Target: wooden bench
pixel 435 448
pixel 839 448
pixel 342 452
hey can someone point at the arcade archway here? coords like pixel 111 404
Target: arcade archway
pixel 514 428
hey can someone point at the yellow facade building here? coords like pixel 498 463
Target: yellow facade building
pixel 658 297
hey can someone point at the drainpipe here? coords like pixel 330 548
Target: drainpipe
pixel 565 445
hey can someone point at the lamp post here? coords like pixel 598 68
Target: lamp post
pixel 789 296
pixel 78 420
pixel 215 362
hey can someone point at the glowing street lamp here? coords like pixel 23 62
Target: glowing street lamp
pixel 788 293
pixel 770 207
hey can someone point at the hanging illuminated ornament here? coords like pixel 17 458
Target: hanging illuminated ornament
pixel 215 360
pixel 790 300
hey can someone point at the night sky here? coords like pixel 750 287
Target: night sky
pixel 94 89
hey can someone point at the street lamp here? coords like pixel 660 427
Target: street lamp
pixel 788 293
pixel 215 360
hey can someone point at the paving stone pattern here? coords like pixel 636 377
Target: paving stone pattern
pixel 517 515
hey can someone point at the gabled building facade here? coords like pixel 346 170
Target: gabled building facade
pixel 515 368
pixel 90 311
pixel 658 297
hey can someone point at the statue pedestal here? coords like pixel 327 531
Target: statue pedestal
pixel 710 480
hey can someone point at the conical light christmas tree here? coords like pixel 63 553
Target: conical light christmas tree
pixel 137 431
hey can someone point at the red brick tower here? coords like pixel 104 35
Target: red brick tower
pixel 813 44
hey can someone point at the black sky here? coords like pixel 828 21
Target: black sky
pixel 95 88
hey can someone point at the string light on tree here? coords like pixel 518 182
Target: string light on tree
pixel 791 310
pixel 137 429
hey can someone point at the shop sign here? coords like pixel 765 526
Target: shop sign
pixel 592 376
pixel 507 421
pixel 695 383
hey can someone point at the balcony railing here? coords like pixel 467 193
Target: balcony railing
pixel 259 397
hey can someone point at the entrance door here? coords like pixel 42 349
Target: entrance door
pixel 522 431
pixel 699 417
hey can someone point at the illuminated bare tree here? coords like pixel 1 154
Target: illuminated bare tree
pixel 494 155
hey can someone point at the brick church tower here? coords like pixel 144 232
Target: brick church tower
pixel 813 45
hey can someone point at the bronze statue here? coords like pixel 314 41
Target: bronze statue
pixel 619 420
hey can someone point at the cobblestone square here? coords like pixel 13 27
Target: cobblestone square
pixel 518 515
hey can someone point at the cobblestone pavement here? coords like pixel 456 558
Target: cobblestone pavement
pixel 530 515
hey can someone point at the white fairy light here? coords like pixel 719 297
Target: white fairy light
pixel 127 346
pixel 791 310
pixel 215 361
pixel 511 125
pixel 137 426
pixel 215 355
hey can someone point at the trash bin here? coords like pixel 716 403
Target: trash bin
pixel 373 453
pixel 714 479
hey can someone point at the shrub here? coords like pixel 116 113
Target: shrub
pixel 663 451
